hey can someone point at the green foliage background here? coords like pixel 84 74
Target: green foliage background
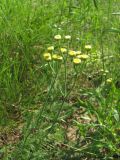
pixel 27 28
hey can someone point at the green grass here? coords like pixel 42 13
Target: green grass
pixel 58 110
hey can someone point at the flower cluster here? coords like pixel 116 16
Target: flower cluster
pixel 76 56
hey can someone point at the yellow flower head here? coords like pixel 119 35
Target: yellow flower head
pixel 60 58
pixel 109 80
pixel 76 61
pixel 57 57
pixel 47 56
pixel 72 53
pixel 63 50
pixel 88 47
pixel 67 37
pixel 57 37
pixel 104 74
pixel 106 71
pixel 54 56
pixel 102 70
pixel 83 56
pixel 51 48
pixel 78 52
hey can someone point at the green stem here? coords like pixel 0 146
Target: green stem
pixel 65 91
pixel 55 120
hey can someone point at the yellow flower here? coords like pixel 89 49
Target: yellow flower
pixel 109 80
pixel 54 56
pixel 63 50
pixel 72 53
pixel 88 47
pixel 51 48
pixel 102 70
pixel 76 61
pixel 83 56
pixel 78 52
pixel 68 37
pixel 106 71
pixel 57 57
pixel 60 58
pixel 104 74
pixel 47 56
pixel 57 37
